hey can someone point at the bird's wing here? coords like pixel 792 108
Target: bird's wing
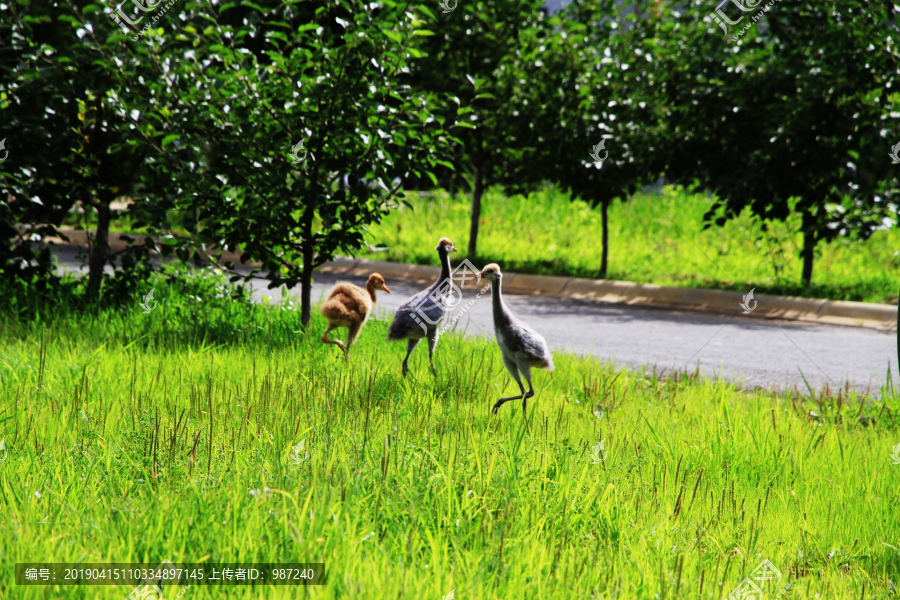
pixel 419 309
pixel 402 325
pixel 425 305
pixel 433 311
pixel 530 342
pixel 535 345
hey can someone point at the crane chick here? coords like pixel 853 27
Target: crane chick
pixel 521 346
pixel 420 316
pixel 349 306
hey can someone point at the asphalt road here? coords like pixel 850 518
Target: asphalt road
pixel 750 352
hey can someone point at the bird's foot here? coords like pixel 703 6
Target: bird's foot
pixel 433 371
pixel 496 407
pixel 503 401
pixel 405 369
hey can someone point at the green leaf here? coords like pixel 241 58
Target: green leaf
pixel 169 139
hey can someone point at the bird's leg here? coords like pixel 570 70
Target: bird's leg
pixel 526 371
pixel 352 334
pixel 525 396
pixel 328 340
pixel 502 401
pixel 410 346
pixel 432 344
pixel 514 371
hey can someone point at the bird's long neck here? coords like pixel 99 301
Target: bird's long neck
pixel 370 287
pixel 445 266
pixel 501 315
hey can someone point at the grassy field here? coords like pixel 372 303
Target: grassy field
pixel 136 437
pixel 654 238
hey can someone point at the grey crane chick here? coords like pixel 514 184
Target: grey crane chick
pixel 522 347
pixel 420 316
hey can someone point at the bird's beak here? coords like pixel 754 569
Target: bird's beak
pixel 453 249
pixel 385 288
pixel 481 274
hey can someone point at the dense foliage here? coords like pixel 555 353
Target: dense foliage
pixel 285 130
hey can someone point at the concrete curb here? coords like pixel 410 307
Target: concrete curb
pixel 831 312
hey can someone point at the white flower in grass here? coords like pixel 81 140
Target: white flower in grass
pixel 896 455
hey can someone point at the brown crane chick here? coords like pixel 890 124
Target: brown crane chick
pixel 349 306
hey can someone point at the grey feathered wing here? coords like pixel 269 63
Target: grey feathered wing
pixel 426 308
pixel 533 345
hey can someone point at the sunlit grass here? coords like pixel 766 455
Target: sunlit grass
pixel 654 238
pixel 145 434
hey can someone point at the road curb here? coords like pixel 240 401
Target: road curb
pixel 831 312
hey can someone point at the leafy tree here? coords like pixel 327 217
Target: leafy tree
pixel 589 96
pixel 83 108
pixel 288 98
pixel 799 109
pixel 465 62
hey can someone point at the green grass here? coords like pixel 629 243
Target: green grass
pixel 410 488
pixel 653 239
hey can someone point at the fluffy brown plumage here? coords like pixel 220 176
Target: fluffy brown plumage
pixel 349 306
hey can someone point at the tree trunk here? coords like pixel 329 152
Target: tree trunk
pixel 476 212
pixel 306 277
pixel 604 217
pixel 100 249
pixel 809 246
pixel 476 202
